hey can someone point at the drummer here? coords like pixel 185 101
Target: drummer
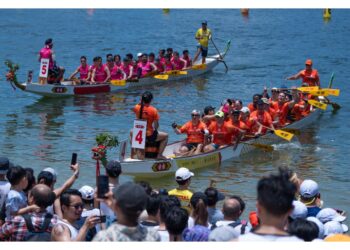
pixel 195 130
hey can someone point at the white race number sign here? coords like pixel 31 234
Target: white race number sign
pixel 44 67
pixel 139 134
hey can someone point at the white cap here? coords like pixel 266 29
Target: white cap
pixel 334 227
pixel 183 174
pixel 319 225
pixel 245 110
pixel 329 214
pixel 299 211
pixel 223 233
pixel 195 112
pixel 52 171
pixel 139 54
pixel 87 192
pixel 308 189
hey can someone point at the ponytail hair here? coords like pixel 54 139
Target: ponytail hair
pixel 200 213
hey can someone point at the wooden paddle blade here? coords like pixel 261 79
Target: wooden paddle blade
pixel 161 77
pixel 308 89
pixel 292 130
pixel 267 148
pixel 284 134
pixel 334 92
pixel 199 66
pixel 317 104
pixel 118 82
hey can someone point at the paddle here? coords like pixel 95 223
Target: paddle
pixel 325 92
pixel 199 66
pixel 335 105
pixel 317 104
pixel 176 72
pixel 161 77
pixel 280 133
pixel 118 82
pixel 222 59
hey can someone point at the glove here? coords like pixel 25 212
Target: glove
pixel 174 125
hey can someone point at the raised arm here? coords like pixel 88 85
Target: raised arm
pixel 69 182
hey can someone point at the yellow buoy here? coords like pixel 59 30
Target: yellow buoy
pixel 327 13
pixel 166 11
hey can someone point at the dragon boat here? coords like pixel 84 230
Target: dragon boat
pixel 70 88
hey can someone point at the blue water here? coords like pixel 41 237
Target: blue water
pixel 267 46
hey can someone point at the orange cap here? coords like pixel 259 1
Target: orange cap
pixel 308 62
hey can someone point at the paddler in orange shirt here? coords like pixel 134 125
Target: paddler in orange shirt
pixel 308 75
pixel 220 131
pixel 195 130
pixel 238 127
pixel 260 119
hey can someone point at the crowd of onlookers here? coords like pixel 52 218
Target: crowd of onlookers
pixel 33 208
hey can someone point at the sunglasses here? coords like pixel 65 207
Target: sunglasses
pixel 195 115
pixel 77 206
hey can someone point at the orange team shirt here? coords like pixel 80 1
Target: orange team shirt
pixel 235 131
pixel 221 134
pixel 298 109
pixel 195 134
pixel 264 119
pixel 251 107
pixel 281 112
pixel 310 77
pixel 149 113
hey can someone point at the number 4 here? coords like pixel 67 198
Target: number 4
pixel 139 137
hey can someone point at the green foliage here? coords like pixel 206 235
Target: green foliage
pixel 107 140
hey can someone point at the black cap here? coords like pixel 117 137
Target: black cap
pixel 204 22
pixel 131 198
pixel 5 164
pixel 213 195
pixel 207 109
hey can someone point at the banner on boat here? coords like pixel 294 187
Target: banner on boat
pixel 139 134
pixel 200 161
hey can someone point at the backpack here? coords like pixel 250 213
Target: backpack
pixel 39 235
pixel 234 224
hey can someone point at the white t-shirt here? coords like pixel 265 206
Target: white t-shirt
pixel 164 235
pixel 266 237
pixel 190 223
pixel 4 189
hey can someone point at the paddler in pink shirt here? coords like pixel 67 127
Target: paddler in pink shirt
pixel 168 65
pixel 84 70
pixel 187 58
pixel 145 67
pixel 161 55
pixel 118 60
pixel 178 62
pixel 100 73
pixel 127 68
pixel 115 71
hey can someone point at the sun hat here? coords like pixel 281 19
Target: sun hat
pixel 52 171
pixel 299 211
pixel 139 54
pixel 308 189
pixel 183 174
pixel 195 112
pixel 219 114
pixel 87 192
pixel 334 227
pixel 329 214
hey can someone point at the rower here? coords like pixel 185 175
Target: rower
pixel 202 36
pixel 100 73
pixel 252 106
pixel 116 72
pixel 195 130
pixel 117 60
pixel 168 66
pixel 220 131
pixel 281 107
pixel 308 75
pixel 237 127
pixel 127 68
pixel 161 55
pixel 178 62
pixel 145 67
pixel 144 110
pixel 151 57
pixel 260 119
pixel 84 70
pixel 187 58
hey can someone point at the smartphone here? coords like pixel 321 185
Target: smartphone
pixel 102 186
pixel 74 159
pixel 103 218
